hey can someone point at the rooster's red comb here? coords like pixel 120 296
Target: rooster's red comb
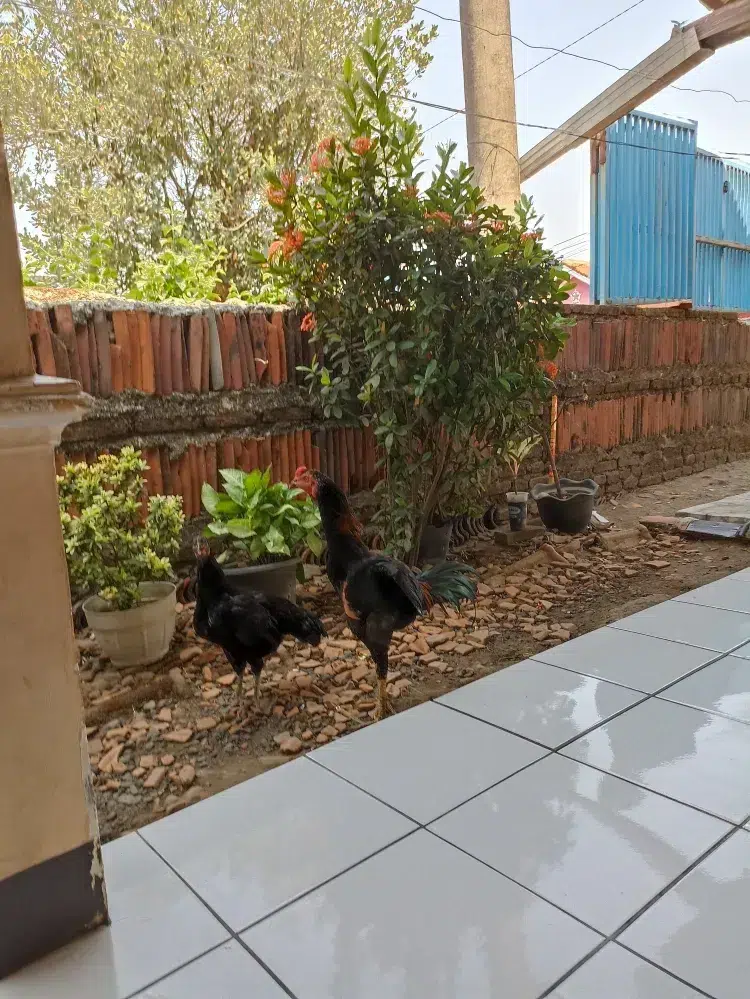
pixel 302 470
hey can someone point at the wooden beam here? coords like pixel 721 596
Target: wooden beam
pixel 714 4
pixel 689 46
pixel 727 24
pixel 726 243
pixel 669 62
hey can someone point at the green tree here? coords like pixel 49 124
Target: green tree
pixel 121 118
pixel 434 311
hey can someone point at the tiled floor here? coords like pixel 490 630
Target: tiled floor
pixel 574 827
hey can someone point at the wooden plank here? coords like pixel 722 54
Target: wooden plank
pixel 669 62
pixel 723 242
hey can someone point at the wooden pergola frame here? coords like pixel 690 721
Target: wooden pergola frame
pixel 729 21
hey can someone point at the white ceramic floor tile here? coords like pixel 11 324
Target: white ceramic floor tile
pixel 614 973
pixel 260 844
pixel 696 930
pixel 625 657
pixel 228 972
pixel 559 826
pixel 693 624
pixel 541 702
pixel 427 760
pixel 157 925
pixel 726 594
pixel 699 758
pixel 420 920
pixel 724 686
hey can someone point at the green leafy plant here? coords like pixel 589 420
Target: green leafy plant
pixel 181 269
pixel 515 451
pixel 259 519
pixel 85 259
pixel 433 311
pixel 115 539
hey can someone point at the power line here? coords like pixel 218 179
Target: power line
pixel 583 58
pixel 565 49
pixel 557 128
pixel 571 239
pixel 188 46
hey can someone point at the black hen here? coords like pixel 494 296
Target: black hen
pixel 247 626
pixel 380 594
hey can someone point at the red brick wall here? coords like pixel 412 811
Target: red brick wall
pixel 640 381
pixel 644 394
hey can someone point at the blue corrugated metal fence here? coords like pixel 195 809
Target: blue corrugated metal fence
pixel 668 221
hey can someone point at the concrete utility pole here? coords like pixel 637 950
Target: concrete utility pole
pixel 490 92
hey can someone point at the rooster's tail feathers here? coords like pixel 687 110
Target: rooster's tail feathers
pixel 303 625
pixel 448 583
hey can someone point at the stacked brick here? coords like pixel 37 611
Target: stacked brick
pixel 347 454
pixel 626 375
pixel 169 351
pixel 644 395
pixel 162 352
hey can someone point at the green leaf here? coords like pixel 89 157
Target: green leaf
pixel 234 483
pixel 240 528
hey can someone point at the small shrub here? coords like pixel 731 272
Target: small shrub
pixel 114 540
pixel 181 269
pixel 258 519
pixel 433 311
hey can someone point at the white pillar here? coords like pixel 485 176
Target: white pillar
pixel 51 881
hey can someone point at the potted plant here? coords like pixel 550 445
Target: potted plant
pixel 265 528
pixel 118 546
pixel 514 452
pixel 565 505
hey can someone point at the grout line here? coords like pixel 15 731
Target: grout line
pixel 661 794
pixel 369 794
pixel 716 656
pixel 495 725
pixel 322 884
pixel 697 603
pixel 217 917
pixel 644 908
pixel 709 711
pixel 520 884
pixel 676 641
pixel 665 970
pixel 173 971
pixel 491 787
pixel 269 971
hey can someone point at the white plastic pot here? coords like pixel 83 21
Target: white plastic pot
pixel 139 636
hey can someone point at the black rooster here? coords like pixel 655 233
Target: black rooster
pixel 380 594
pixel 247 626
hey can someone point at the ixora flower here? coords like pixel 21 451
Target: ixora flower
pixel 550 369
pixel 276 196
pixel 288 179
pixel 441 216
pixel 293 240
pixel 309 323
pixel 275 248
pixel 361 145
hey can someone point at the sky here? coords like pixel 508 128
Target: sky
pixel 551 94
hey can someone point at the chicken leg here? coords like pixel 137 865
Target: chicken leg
pixel 240 677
